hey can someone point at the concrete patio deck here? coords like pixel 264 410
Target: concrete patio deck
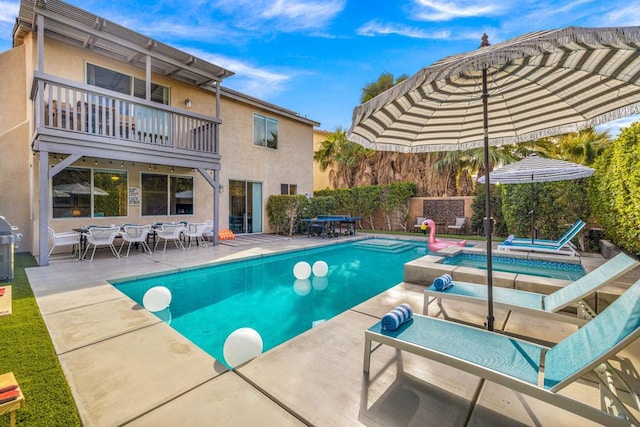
pixel 126 367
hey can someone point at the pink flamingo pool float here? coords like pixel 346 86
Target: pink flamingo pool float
pixel 436 245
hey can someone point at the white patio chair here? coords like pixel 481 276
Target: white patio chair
pixel 169 232
pixel 100 236
pixel 67 238
pixel 135 234
pixel 208 231
pixel 196 230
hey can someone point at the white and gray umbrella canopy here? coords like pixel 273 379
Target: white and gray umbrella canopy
pixel 540 84
pixel 534 168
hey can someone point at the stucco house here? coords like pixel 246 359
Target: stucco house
pixel 100 124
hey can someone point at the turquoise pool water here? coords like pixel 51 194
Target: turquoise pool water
pixel 210 303
pixel 556 270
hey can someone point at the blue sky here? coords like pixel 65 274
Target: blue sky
pixel 315 56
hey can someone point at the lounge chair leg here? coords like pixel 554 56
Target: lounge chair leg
pixel 367 355
pixel 609 399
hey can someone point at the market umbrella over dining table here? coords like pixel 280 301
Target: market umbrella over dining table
pixel 533 169
pixel 540 84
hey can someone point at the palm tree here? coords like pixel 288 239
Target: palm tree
pixel 581 147
pixel 342 156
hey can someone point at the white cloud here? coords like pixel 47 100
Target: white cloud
pixel 8 11
pixel 374 28
pixel 623 16
pixel 429 10
pixel 282 15
pixel 255 81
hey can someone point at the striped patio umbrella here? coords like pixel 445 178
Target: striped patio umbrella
pixel 534 168
pixel 540 84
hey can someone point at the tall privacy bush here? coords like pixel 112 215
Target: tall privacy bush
pixel 556 204
pixel 615 190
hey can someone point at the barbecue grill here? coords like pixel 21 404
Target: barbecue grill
pixel 8 238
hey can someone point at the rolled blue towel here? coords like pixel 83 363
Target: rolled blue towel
pixel 443 282
pixel 406 309
pixel 509 240
pixel 396 317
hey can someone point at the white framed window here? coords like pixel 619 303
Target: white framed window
pixel 265 131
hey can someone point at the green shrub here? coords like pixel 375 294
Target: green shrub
pixel 557 205
pixel 614 192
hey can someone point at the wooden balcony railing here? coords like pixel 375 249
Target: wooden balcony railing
pixel 95 112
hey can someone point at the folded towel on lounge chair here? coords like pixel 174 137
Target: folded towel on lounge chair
pixel 396 317
pixel 8 388
pixel 9 396
pixel 509 240
pixel 443 282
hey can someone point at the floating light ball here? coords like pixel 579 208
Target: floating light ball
pixel 320 268
pixel 242 345
pixel 302 287
pixel 156 299
pixel 302 270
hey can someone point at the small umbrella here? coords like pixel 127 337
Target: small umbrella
pixel 80 188
pixel 534 168
pixel 540 84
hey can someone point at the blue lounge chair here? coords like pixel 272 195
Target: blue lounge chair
pixel 531 303
pixel 562 245
pixel 518 364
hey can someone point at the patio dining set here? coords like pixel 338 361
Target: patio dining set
pixel 146 237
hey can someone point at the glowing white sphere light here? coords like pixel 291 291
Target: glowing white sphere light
pixel 242 345
pixel 302 270
pixel 156 299
pixel 320 268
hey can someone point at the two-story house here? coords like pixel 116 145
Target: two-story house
pixel 102 125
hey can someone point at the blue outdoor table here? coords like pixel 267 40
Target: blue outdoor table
pixel 331 225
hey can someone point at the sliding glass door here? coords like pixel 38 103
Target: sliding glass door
pixel 245 207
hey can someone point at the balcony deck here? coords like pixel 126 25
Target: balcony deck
pixel 74 118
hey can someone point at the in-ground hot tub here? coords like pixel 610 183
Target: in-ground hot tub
pixel 510 270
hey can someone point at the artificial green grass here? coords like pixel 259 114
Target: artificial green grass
pixel 27 351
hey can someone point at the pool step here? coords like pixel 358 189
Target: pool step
pixel 384 246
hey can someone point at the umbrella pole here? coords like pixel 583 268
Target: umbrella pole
pixel 487 195
pixel 533 212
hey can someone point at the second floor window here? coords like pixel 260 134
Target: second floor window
pixel 123 83
pixel 265 131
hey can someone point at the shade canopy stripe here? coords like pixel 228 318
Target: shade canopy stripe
pixel 541 84
pixel 537 169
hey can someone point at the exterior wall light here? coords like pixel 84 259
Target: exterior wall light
pixel 187 102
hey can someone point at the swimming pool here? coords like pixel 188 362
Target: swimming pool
pixel 555 270
pixel 210 303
